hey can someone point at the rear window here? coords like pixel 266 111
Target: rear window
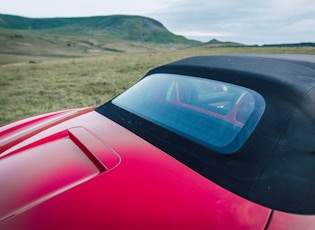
pixel 218 115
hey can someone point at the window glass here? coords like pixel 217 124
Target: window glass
pixel 218 115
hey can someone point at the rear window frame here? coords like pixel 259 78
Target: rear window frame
pixel 237 141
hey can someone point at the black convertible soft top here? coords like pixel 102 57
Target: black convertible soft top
pixel 276 166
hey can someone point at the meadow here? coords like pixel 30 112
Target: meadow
pixel 34 87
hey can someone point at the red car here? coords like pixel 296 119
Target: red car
pixel 214 142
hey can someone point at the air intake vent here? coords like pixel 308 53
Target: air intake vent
pixel 50 166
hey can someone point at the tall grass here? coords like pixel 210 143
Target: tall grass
pixel 28 89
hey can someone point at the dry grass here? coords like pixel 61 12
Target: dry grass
pixel 28 89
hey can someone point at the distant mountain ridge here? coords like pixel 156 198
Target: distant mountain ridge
pixel 126 27
pixel 302 44
pixel 133 28
pixel 45 38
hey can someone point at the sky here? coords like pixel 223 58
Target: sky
pixel 250 22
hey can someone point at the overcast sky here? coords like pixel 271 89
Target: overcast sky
pixel 245 21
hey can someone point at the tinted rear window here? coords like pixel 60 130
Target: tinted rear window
pixel 218 115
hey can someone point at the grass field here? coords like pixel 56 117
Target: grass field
pixel 29 88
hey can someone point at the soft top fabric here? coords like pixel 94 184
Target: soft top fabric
pixel 276 166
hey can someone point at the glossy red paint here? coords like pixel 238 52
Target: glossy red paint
pixel 287 221
pixel 77 169
pixel 101 175
pixel 49 171
pixel 59 184
pixel 14 133
pixel 94 148
pixel 20 125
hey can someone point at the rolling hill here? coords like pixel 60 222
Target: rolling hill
pixel 86 36
pixel 132 28
pixel 25 39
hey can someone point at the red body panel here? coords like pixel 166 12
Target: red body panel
pixel 287 221
pixel 112 179
pixel 14 133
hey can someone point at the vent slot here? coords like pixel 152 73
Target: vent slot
pixel 50 166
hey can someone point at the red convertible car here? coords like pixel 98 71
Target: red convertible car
pixel 211 142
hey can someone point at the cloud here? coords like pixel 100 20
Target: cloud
pixel 203 34
pixel 79 8
pixel 244 21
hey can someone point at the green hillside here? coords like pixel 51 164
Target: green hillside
pixel 32 39
pixel 214 43
pixel 131 28
pixel 35 39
